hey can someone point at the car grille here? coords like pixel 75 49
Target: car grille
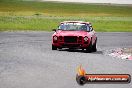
pixel 70 39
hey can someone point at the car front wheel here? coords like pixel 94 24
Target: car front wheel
pixel 94 48
pixel 89 48
pixel 54 47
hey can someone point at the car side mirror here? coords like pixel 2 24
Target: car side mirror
pixel 54 30
pixel 92 29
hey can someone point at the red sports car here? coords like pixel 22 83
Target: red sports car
pixel 74 34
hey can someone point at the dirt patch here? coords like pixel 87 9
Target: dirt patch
pixel 122 53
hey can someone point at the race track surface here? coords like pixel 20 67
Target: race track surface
pixel 27 61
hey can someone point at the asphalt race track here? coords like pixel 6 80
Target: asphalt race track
pixel 27 61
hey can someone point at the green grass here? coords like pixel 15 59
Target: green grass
pixel 17 15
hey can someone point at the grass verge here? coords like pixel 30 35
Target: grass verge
pixel 44 16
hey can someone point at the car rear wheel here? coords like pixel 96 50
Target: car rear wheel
pixel 54 47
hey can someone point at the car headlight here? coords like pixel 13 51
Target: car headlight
pixel 55 38
pixel 85 38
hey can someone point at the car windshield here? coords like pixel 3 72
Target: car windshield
pixel 74 27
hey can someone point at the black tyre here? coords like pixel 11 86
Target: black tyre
pixel 94 48
pixel 89 48
pixel 81 80
pixel 54 47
